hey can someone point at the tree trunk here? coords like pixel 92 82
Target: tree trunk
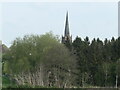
pixel 106 79
pixel 116 81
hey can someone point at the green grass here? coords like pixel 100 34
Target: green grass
pixel 6 82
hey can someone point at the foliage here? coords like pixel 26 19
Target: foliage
pixel 41 60
pixel 34 60
pixel 100 60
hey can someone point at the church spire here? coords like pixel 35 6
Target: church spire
pixel 66 38
pixel 67 25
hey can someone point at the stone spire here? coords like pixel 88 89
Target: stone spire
pixel 67 26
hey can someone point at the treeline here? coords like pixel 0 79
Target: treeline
pixel 98 62
pixel 41 60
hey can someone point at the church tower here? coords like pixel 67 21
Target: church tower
pixel 67 38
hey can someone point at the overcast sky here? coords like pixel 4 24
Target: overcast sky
pixel 85 19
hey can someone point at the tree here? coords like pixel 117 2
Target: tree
pixel 33 57
pixel 56 59
pixel 106 70
pixel 117 71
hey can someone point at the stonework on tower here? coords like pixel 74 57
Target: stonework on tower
pixel 66 38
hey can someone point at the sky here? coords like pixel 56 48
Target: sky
pixel 92 19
